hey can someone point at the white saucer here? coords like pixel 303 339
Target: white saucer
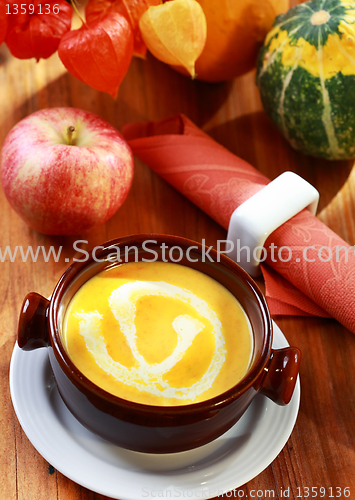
pixel 229 462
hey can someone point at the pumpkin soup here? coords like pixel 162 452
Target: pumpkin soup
pixel 158 333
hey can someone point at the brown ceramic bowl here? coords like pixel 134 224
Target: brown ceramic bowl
pixel 155 429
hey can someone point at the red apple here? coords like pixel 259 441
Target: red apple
pixel 65 170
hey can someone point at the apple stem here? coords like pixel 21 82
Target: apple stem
pixel 70 131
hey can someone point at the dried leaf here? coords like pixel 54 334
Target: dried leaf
pixel 99 53
pixel 37 32
pixel 131 9
pixel 175 32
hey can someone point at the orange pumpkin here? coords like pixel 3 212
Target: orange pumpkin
pixel 235 32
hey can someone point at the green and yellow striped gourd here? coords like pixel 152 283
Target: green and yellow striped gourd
pixel 306 77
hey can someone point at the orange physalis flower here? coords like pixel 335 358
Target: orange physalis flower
pixel 3 21
pixel 36 27
pixel 131 9
pixel 175 32
pixel 99 53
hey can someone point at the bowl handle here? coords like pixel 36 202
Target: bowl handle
pixel 32 329
pixel 280 375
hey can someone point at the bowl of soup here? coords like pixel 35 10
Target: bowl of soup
pixel 158 344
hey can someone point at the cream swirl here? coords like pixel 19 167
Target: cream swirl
pixel 144 376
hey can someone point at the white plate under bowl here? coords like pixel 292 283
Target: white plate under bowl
pixel 227 463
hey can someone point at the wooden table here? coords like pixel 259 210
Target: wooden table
pixel 321 449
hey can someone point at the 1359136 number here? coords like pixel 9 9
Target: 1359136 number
pixel 322 492
pixel 24 8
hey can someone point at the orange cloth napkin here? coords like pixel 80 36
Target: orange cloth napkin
pixel 318 280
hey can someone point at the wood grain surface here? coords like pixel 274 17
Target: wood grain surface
pixel 321 449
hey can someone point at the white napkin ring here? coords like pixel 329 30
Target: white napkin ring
pixel 253 221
